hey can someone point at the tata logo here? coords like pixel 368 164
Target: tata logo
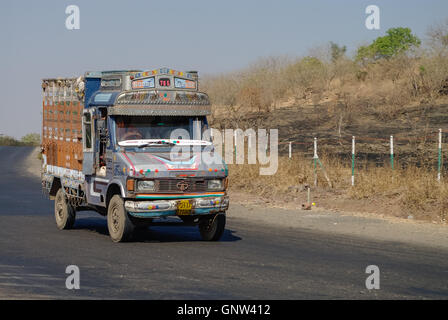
pixel 182 185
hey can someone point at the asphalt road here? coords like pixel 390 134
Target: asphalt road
pixel 253 260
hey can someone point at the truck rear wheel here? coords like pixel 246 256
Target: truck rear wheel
pixel 64 213
pixel 118 222
pixel 212 228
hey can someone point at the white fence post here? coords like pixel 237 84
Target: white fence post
pixel 392 152
pixel 353 160
pixel 290 150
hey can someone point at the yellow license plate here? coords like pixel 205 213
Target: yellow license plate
pixel 184 207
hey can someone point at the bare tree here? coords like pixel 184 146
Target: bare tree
pixel 438 37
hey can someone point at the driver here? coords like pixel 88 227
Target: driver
pixel 126 131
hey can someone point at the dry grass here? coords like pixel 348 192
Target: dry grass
pixel 415 190
pixel 291 174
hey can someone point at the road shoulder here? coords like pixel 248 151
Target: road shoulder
pixel 369 226
pixel 32 164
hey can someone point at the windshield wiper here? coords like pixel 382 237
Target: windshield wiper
pixel 149 144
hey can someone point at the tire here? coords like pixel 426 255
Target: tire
pixel 212 228
pixel 118 222
pixel 64 213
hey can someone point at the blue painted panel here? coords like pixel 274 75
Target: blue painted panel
pixel 92 86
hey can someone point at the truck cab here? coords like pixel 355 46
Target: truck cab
pixel 147 154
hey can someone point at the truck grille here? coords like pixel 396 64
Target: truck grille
pixel 181 185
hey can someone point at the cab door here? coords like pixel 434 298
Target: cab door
pixel 88 143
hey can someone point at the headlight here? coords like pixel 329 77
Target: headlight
pixel 148 185
pixel 214 184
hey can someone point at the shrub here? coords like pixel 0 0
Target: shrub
pixel 396 41
pixel 31 139
pixel 307 74
pixel 9 141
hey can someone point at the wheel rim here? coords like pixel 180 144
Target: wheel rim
pixel 60 209
pixel 115 220
pixel 208 227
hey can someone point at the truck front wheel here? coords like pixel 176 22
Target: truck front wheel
pixel 212 228
pixel 64 213
pixel 118 222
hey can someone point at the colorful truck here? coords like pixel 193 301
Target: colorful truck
pixel 129 145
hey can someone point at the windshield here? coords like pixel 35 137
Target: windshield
pixel 156 127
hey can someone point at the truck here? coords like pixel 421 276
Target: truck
pixel 130 145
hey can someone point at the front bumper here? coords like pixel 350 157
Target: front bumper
pixel 163 208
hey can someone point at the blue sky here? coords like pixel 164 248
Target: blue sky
pixel 206 35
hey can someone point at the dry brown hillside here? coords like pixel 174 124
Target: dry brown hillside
pixel 405 96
